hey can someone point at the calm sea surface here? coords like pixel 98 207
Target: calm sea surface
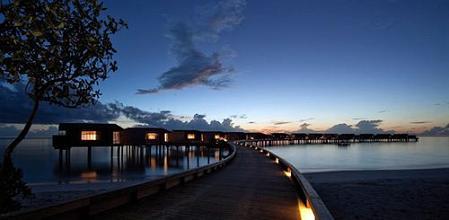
pixel 39 162
pixel 429 152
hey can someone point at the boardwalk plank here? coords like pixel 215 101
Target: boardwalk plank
pixel 250 187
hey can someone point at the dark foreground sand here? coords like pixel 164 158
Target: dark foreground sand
pixel 396 194
pixel 50 194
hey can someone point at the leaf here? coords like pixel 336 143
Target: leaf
pixel 60 26
pixel 37 33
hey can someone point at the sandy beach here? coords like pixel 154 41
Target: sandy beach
pixel 388 194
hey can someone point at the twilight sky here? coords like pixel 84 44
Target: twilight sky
pixel 273 65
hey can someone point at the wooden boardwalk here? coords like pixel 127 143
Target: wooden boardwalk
pixel 250 187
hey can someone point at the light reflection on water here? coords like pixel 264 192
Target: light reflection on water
pixel 40 163
pixel 429 152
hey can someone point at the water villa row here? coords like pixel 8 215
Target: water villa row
pixel 90 135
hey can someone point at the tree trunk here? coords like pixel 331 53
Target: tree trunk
pixel 7 156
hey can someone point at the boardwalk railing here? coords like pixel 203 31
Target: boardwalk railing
pixel 307 194
pixel 91 205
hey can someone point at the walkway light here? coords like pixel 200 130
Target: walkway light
pixel 305 211
pixel 288 172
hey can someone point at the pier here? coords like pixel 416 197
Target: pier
pixel 250 183
pixel 277 139
pixel 251 187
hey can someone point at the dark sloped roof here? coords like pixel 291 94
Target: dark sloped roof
pixel 65 126
pixel 157 130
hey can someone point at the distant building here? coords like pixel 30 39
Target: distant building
pixel 87 134
pixel 234 136
pixel 212 137
pixel 299 136
pixel 280 136
pixel 184 137
pixel 145 136
pixel 256 136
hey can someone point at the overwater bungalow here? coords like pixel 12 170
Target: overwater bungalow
pixel 365 137
pixel 399 137
pixel 234 136
pixel 299 136
pixel 145 136
pixel 382 137
pixel 181 137
pixel 412 138
pixel 280 136
pixel 314 136
pixel 87 134
pixel 211 137
pixel 346 137
pixel 256 136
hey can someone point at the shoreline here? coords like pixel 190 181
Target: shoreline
pixel 49 194
pixel 384 194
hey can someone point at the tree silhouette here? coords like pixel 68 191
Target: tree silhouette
pixel 61 49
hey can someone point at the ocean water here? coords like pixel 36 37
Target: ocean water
pixel 40 163
pixel 428 152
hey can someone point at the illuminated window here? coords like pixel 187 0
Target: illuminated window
pixel 89 135
pixel 202 137
pixel 166 137
pixel 62 132
pixel 151 136
pixel 191 136
pixel 217 136
pixel 116 137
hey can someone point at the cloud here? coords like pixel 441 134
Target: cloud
pixel 304 128
pixel 11 131
pixel 420 122
pixel 358 119
pixel 194 67
pixel 364 126
pixel 306 119
pixel 369 126
pixel 281 122
pixel 16 107
pixel 382 111
pixel 252 122
pixel 165 119
pixel 243 116
pixel 437 131
pixel 340 129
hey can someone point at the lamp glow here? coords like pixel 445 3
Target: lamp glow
pixel 305 212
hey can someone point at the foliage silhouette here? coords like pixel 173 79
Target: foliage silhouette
pixel 61 49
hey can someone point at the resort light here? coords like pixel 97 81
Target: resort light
pixel 276 160
pixel 191 136
pixel 268 154
pixel 89 135
pixel 116 137
pixel 151 136
pixel 166 137
pixel 89 175
pixel 305 212
pixel 288 173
